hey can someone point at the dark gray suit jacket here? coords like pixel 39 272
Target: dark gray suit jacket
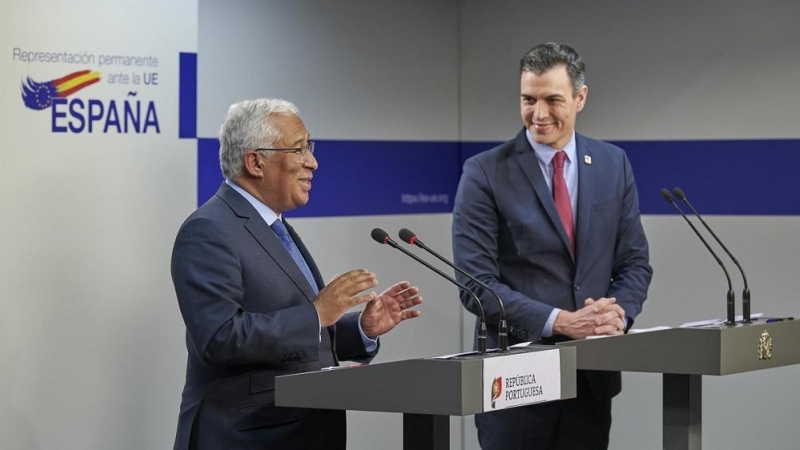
pixel 507 232
pixel 250 317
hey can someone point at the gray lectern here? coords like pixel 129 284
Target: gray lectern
pixel 684 355
pixel 427 391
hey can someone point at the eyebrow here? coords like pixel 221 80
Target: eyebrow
pixel 297 142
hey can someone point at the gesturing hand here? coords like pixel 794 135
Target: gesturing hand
pixel 340 295
pixel 384 312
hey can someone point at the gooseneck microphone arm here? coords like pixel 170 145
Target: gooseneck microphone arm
pixel 383 237
pixel 502 335
pixel 746 291
pixel 731 296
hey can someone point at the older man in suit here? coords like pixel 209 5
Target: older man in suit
pixel 253 301
pixel 550 220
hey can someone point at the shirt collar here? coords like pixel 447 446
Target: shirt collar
pixel 264 211
pixel 545 153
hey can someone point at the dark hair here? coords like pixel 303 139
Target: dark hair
pixel 548 56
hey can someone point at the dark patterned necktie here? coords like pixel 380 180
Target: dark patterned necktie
pixel 283 234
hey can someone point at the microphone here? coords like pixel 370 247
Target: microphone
pixel 746 291
pixel 502 336
pixel 383 237
pixel 731 296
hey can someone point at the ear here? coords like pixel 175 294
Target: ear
pixel 253 165
pixel 582 94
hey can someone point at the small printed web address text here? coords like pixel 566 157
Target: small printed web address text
pixel 413 199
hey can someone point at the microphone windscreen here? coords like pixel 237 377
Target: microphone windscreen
pixel 407 235
pixel 667 196
pixel 379 235
pixel 679 193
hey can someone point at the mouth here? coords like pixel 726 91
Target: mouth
pixel 542 127
pixel 306 183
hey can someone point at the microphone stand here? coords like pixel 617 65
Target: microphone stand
pixel 731 296
pixel 383 237
pixel 746 291
pixel 502 334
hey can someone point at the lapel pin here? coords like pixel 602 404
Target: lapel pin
pixel 587 160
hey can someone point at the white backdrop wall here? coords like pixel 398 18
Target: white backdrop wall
pixel 91 348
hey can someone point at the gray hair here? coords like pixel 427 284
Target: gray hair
pixel 548 56
pixel 246 127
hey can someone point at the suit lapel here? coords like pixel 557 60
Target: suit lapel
pixel 585 191
pixel 526 158
pixel 317 278
pixel 259 229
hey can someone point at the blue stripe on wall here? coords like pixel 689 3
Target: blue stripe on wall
pixel 383 177
pixel 187 96
pixel 359 178
pixel 209 175
pixel 743 177
pixel 725 177
pixel 753 177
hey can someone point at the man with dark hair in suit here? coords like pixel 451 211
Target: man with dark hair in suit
pixel 550 220
pixel 254 302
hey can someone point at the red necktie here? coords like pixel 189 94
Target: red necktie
pixel 561 196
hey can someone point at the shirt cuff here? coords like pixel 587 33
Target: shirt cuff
pixel 319 325
pixel 369 344
pixel 548 326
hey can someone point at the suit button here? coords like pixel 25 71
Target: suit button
pixel 577 287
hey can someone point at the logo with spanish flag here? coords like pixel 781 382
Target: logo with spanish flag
pixel 40 96
pixel 497 388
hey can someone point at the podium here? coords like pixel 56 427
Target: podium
pixel 426 391
pixel 683 356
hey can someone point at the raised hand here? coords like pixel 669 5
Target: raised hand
pixel 340 295
pixel 384 312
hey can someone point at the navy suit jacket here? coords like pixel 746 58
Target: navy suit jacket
pixel 507 232
pixel 250 317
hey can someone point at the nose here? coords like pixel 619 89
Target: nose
pixel 310 161
pixel 540 111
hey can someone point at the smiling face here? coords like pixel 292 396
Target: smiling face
pixel 549 106
pixel 286 179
